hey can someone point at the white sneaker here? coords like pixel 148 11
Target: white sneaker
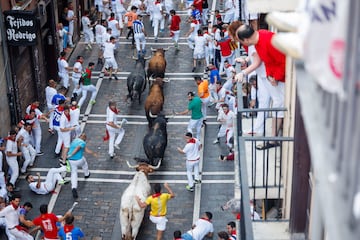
pixel 290 44
pixel 285 21
pixel 216 141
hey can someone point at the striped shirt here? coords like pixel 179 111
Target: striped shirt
pixel 138 26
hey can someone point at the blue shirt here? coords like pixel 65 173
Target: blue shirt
pixel 74 234
pixel 137 26
pixel 213 73
pixel 74 144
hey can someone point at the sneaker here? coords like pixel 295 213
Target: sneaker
pixel 221 157
pixel 285 21
pixel 193 70
pixel 290 44
pixel 116 78
pixel 39 153
pixel 86 177
pixel 92 102
pixel 156 39
pixel 75 193
pixel 197 181
pixel 63 182
pixel 190 189
pixel 68 167
pixel 216 141
pixel 89 46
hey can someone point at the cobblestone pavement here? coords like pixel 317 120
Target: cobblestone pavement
pixel 99 196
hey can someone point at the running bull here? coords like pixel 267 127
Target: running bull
pixel 131 214
pixel 136 81
pixel 157 63
pixel 154 101
pixel 155 141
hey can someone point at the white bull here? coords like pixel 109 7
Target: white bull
pixel 131 214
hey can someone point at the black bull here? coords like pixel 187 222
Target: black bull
pixel 155 141
pixel 136 81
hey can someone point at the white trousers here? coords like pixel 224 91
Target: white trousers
pixel 204 105
pixel 13 169
pixel 20 234
pixel 65 79
pixel 75 164
pixel 140 38
pixel 37 138
pixel 226 132
pixel 29 155
pixel 89 36
pixel 85 89
pixel 176 36
pixel 190 167
pixel 155 25
pixel 112 133
pixel 53 176
pixel 264 102
pixel 195 124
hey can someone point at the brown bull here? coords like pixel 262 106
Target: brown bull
pixel 154 101
pixel 157 63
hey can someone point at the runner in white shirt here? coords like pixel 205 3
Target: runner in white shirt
pixel 192 152
pixel 71 18
pixel 65 131
pixel 77 71
pixel 11 157
pixel 209 48
pixel 202 227
pixel 100 31
pixel 87 28
pixel 53 176
pixel 199 49
pixel 119 10
pixel 158 18
pixel 50 91
pixel 113 128
pixel 226 118
pixel 110 62
pixel 194 27
pixel 64 68
pixel 229 11
pixel 114 25
pixel 24 139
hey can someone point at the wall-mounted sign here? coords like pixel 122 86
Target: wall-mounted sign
pixel 20 28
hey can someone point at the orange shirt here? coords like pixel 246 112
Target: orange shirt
pixel 203 87
pixel 131 16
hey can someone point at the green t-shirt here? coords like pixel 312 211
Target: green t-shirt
pixel 195 108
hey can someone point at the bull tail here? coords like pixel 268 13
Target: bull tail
pixel 128 235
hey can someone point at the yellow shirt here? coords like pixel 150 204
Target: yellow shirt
pixel 158 204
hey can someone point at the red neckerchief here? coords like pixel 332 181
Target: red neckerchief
pixel 68 228
pixel 157 2
pixel 62 58
pixel 205 219
pixel 60 108
pixel 15 207
pixel 226 113
pixel 192 140
pixel 73 107
pixel 28 117
pixel 116 111
pixel 233 232
pixel 218 90
pixel 67 116
pixel 33 107
pixel 110 19
pixel 156 195
pixel 200 35
pixel 195 21
pixel 79 61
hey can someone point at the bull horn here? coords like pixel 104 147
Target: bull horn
pixel 165 49
pixel 131 166
pixel 151 115
pixel 146 58
pixel 153 49
pixel 151 78
pixel 166 80
pixel 134 58
pixel 155 167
